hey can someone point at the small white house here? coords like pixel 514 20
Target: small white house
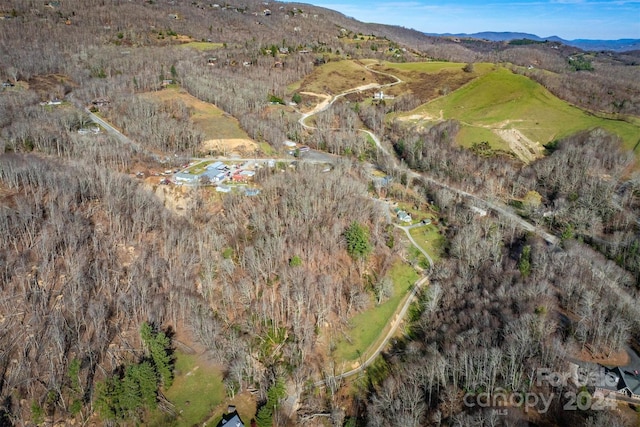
pixel 404 216
pixel 480 212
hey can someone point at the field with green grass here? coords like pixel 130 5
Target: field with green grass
pixel 426 81
pixel 368 326
pixel 501 100
pixel 199 167
pixel 196 391
pixel 429 239
pixel 417 215
pixel 437 66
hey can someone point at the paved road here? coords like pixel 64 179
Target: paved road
pixel 309 157
pixel 497 207
pixel 313 156
pixel 115 132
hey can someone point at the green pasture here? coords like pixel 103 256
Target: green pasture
pixel 429 239
pixel 437 66
pixel 501 99
pixel 368 326
pixel 196 391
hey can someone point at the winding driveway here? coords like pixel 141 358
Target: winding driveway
pixel 406 229
pixel 395 324
pixel 496 206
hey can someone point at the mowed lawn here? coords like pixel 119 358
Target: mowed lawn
pixel 212 121
pixel 196 391
pixel 501 99
pixel 429 239
pixel 368 326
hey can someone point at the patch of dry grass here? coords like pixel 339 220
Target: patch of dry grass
pixel 338 76
pixel 222 132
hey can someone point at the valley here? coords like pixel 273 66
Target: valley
pixel 301 219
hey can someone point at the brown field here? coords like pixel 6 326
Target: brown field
pixel 428 83
pixel 338 76
pixel 49 86
pixel 222 131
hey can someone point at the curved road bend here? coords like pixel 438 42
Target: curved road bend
pixel 325 105
pixel 395 324
pixel 498 208
pixel 397 319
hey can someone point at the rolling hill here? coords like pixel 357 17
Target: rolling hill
pixel 509 110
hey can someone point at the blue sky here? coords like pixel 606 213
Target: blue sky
pixel 569 19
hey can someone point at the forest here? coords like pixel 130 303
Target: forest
pixel 104 283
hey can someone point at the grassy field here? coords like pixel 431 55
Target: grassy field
pixel 266 148
pixel 196 391
pixel 212 121
pixel 426 81
pixel 200 167
pixel 471 134
pixel 366 327
pixel 429 239
pixel 203 46
pixel 417 215
pixel 335 77
pixel 437 66
pixel 502 100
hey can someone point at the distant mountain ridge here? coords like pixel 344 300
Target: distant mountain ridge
pixel 621 45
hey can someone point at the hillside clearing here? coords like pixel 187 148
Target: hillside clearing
pixel 368 326
pixel 429 80
pixel 339 76
pixel 202 46
pixel 222 132
pixel 521 114
pixel 196 391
